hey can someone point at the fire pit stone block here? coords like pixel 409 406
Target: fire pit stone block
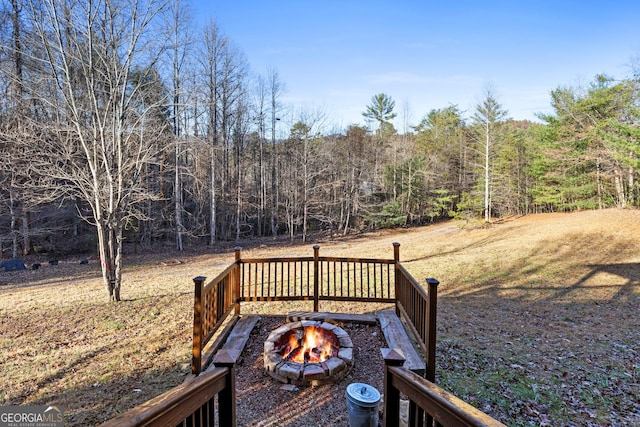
pixel 313 372
pixel 345 342
pixel 335 365
pixel 343 337
pixel 346 354
pixel 285 328
pixel 328 326
pixel 340 333
pixel 268 346
pixel 290 370
pixel 271 361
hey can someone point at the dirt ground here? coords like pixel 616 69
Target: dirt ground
pixel 262 401
pixel 537 320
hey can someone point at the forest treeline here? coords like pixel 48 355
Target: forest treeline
pixel 121 123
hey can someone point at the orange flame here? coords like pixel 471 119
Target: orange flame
pixel 311 346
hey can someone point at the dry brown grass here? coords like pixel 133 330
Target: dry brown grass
pixel 538 320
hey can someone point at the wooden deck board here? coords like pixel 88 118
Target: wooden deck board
pixel 239 335
pixel 212 347
pixel 368 319
pixel 397 338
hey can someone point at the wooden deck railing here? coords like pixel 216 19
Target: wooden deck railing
pixel 212 303
pixel 419 308
pixel 429 404
pixel 314 279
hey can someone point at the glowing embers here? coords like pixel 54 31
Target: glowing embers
pixel 308 353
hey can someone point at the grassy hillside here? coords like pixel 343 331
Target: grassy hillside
pixel 538 319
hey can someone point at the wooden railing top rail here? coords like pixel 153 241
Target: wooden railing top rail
pixel 357 260
pixel 268 260
pixel 418 288
pixel 220 277
pixel 322 258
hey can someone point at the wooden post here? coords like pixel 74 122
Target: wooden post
pixel 430 372
pixel 227 396
pixel 236 286
pixel 396 274
pixel 196 354
pixel 316 278
pixel 391 410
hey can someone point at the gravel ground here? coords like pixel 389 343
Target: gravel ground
pixel 262 402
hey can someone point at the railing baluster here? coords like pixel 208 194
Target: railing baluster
pixel 334 279
pixel 341 278
pixel 368 266
pixel 282 293
pixel 316 277
pixel 271 289
pixel 243 284
pixel 321 279
pixel 308 279
pixel 355 281
pixel 254 280
pixel 361 268
pixel 295 278
pixel 289 279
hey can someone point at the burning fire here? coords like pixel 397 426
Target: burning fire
pixel 310 345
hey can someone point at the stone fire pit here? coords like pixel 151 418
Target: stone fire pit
pixel 308 353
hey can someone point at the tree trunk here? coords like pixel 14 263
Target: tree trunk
pixel 212 197
pixel 263 189
pixel 598 184
pixel 12 227
pixel 305 193
pixel 487 207
pixel 274 230
pixel 619 185
pixel 110 251
pixel 26 232
pixel 275 88
pixel 177 128
pixel 177 194
pixel 631 184
pixel 238 206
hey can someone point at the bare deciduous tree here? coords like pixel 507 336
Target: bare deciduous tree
pixel 309 160
pixel 213 46
pixel 276 89
pixel 98 145
pixel 261 184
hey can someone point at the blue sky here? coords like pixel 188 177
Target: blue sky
pixel 424 54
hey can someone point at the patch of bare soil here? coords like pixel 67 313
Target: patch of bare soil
pixel 262 401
